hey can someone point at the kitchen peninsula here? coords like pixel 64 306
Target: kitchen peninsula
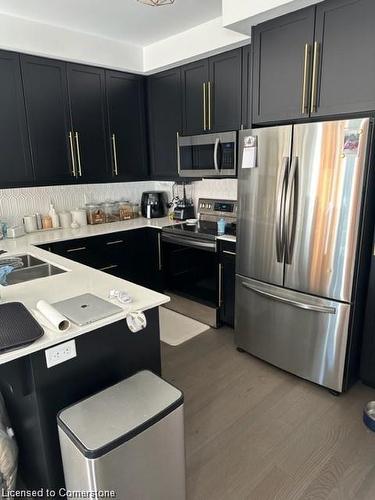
pixel 106 351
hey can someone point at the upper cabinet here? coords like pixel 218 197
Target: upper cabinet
pixel 211 94
pixel 195 97
pixel 16 167
pixel 246 86
pixel 90 129
pixel 345 57
pixel 127 128
pixel 165 121
pixel 319 61
pixel 48 116
pixel 281 67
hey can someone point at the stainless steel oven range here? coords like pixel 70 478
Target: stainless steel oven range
pixel 192 273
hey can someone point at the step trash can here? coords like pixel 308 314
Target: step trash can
pixel 127 440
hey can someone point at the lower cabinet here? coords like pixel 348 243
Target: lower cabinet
pixel 227 260
pixel 34 394
pixel 132 255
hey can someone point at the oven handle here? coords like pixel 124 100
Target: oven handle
pixel 210 246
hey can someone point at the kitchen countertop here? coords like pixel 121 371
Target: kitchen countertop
pixel 77 280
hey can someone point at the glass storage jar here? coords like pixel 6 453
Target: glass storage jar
pixel 111 211
pixel 95 213
pixel 126 210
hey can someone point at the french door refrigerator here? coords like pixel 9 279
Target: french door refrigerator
pixel 302 195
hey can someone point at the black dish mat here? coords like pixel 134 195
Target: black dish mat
pixel 18 328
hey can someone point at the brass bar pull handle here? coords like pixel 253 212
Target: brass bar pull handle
pixel 305 85
pixel 220 285
pixel 115 242
pixel 209 104
pixel 204 107
pixel 107 268
pixel 72 157
pixel 114 149
pixel 314 85
pixel 228 252
pixel 160 265
pixel 78 249
pixel 78 154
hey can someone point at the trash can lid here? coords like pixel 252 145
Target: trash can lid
pixel 104 421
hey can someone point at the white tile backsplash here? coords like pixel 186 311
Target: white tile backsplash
pixel 225 189
pixel 15 203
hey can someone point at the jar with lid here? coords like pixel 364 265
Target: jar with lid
pixel 95 213
pixel 136 210
pixel 126 210
pixel 111 211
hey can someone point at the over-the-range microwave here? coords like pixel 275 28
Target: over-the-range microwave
pixel 208 155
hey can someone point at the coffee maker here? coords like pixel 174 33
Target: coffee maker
pixel 154 204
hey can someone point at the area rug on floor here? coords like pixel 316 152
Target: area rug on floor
pixel 175 329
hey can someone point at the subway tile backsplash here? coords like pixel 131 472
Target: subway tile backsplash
pixel 15 203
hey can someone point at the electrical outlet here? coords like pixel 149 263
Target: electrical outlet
pixel 61 353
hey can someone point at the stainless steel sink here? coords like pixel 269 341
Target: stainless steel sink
pixel 33 269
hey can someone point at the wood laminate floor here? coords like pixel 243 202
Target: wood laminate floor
pixel 255 432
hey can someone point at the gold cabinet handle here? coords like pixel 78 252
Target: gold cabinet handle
pixel 305 85
pixel 78 154
pixel 209 104
pixel 220 285
pixel 114 150
pixel 204 107
pixel 72 157
pixel 314 85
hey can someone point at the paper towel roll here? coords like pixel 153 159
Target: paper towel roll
pixel 60 322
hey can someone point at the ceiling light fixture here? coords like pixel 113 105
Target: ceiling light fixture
pixel 157 3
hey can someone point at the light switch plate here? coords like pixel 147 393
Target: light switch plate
pixel 61 353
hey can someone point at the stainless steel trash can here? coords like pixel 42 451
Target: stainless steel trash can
pixel 127 439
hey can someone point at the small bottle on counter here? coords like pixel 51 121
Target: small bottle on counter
pixel 54 217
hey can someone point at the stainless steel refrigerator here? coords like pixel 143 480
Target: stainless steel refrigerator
pixel 302 194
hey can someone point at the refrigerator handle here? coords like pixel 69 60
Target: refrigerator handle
pixel 291 210
pixel 280 207
pixel 291 302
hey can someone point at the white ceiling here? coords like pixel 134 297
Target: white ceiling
pixel 125 20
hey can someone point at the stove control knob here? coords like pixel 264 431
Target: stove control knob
pixel 203 205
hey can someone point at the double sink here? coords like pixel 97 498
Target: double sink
pixel 33 268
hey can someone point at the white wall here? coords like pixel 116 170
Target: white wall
pixel 50 41
pixel 240 15
pixel 201 41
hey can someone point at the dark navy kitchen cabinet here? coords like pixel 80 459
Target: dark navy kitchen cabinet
pixel 315 62
pixel 227 262
pixel 16 167
pixel 282 61
pixel 34 394
pixel 48 117
pixel 165 121
pixel 127 125
pixel 90 127
pixel 246 86
pixel 345 66
pixel 133 255
pixel 224 85
pixel 211 94
pixel 195 97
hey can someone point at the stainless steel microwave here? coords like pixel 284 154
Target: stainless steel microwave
pixel 208 155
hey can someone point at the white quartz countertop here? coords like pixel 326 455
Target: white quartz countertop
pixel 77 280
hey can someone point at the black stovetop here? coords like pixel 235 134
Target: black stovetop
pixel 202 229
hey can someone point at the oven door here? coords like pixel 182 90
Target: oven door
pixel 192 277
pixel 209 155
